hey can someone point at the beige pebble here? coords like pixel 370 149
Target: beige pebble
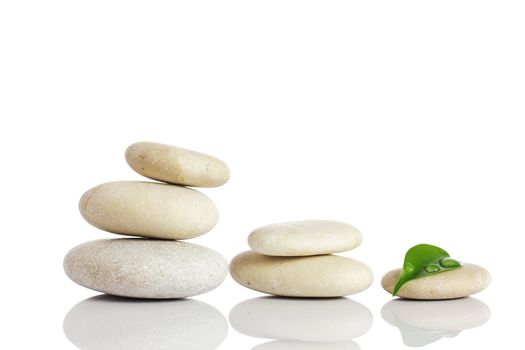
pixel 311 276
pixel 461 282
pixel 145 268
pixel 149 209
pixel 176 165
pixel 302 238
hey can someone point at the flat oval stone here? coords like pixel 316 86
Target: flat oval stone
pixel 461 282
pixel 301 238
pixel 301 319
pixel 310 276
pixel 149 209
pixel 176 165
pixel 109 323
pixel 144 268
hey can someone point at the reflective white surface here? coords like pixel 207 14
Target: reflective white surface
pixel 302 322
pixel 403 118
pixel 106 322
pixel 112 323
pixel 302 345
pixel 424 322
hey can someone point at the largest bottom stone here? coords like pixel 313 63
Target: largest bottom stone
pixel 144 268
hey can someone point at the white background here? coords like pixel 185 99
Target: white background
pixel 404 118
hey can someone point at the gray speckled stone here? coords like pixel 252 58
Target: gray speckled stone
pixel 143 268
pixel 176 165
pixel 149 209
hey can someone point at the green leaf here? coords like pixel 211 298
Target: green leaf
pixel 423 260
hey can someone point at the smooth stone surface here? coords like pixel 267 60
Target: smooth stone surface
pixel 461 282
pixel 144 268
pixel 176 165
pixel 302 238
pixel 149 209
pixel 424 322
pixel 312 320
pixel 111 323
pixel 310 276
pixel 302 345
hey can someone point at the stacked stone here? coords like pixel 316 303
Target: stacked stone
pixel 157 265
pixel 295 259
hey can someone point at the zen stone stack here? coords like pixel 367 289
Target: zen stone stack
pixel 156 265
pixel 295 259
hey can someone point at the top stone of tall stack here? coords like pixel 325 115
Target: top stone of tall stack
pixel 176 165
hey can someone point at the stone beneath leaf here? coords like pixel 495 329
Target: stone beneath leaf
pixel 461 282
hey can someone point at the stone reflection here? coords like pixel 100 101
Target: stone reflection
pixel 424 322
pixel 106 322
pixel 302 345
pixel 302 323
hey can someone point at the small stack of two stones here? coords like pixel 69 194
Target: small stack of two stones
pixel 295 259
pixel 157 265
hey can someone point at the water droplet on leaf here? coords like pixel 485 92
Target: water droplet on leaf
pixel 449 263
pixel 409 268
pixel 432 268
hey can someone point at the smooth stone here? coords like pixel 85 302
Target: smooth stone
pixel 110 323
pixel 176 165
pixel 302 345
pixel 301 319
pixel 302 238
pixel 461 282
pixel 145 268
pixel 310 276
pixel 423 322
pixel 149 209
